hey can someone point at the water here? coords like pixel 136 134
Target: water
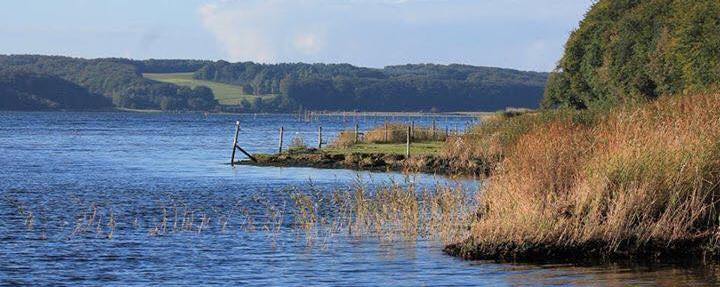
pixel 56 167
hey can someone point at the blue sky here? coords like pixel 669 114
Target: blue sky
pixel 520 34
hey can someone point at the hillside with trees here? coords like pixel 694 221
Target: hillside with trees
pixel 25 90
pixel 120 80
pixel 423 87
pixel 636 50
pixel 292 86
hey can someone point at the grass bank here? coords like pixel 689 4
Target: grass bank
pixel 380 149
pixel 225 94
pixel 637 181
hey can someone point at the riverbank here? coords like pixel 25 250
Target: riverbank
pixel 638 181
pixel 424 158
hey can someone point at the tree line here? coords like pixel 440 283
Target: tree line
pixel 289 87
pixel 119 80
pixel 421 87
pixel 627 51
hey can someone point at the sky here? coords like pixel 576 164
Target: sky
pixel 518 34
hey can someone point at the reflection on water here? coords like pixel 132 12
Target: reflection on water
pixel 104 199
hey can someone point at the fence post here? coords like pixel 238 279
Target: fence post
pixel 447 132
pixel 407 143
pixel 433 129
pixel 356 132
pixel 237 131
pixel 386 132
pixel 280 142
pixel 412 129
pixel 320 137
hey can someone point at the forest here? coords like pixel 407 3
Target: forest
pixel 420 87
pixel 292 86
pixel 119 80
pixel 629 51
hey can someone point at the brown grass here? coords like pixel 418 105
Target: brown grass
pixel 390 213
pixel 390 133
pixel 640 178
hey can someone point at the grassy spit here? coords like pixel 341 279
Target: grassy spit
pixel 637 181
pixel 380 149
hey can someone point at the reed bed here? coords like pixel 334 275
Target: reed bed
pixel 389 213
pixel 391 133
pixel 639 180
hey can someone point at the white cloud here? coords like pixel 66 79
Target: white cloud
pixel 524 34
pixel 263 31
pixel 234 30
pixel 308 43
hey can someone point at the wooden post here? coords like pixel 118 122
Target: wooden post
pixel 412 129
pixel 237 131
pixel 246 153
pixel 320 137
pixel 386 131
pixel 357 130
pixel 407 143
pixel 447 132
pixel 280 142
pixel 433 129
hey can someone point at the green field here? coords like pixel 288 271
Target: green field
pixel 225 94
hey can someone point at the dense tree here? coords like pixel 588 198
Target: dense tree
pixel 25 90
pixel 627 50
pixel 121 80
pixel 394 88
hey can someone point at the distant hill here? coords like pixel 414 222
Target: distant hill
pixel 638 50
pixel 25 90
pixel 422 87
pixel 253 87
pixel 121 80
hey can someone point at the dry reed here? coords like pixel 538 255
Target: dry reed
pixel 641 179
pixel 391 133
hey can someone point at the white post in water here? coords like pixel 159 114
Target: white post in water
pixel 407 143
pixel 237 131
pixel 280 142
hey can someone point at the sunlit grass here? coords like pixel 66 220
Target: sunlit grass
pixel 225 94
pixel 626 178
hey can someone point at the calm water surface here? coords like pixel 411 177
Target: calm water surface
pixel 65 178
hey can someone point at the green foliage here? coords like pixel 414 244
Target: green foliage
pixel 394 88
pixel 226 94
pixel 120 80
pixel 629 50
pixel 25 90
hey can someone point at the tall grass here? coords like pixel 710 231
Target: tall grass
pixel 391 133
pixel 489 142
pixel 390 212
pixel 639 179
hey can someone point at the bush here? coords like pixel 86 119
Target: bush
pixel 626 51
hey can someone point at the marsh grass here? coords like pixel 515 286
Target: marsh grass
pixel 393 133
pixel 389 213
pixel 634 180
